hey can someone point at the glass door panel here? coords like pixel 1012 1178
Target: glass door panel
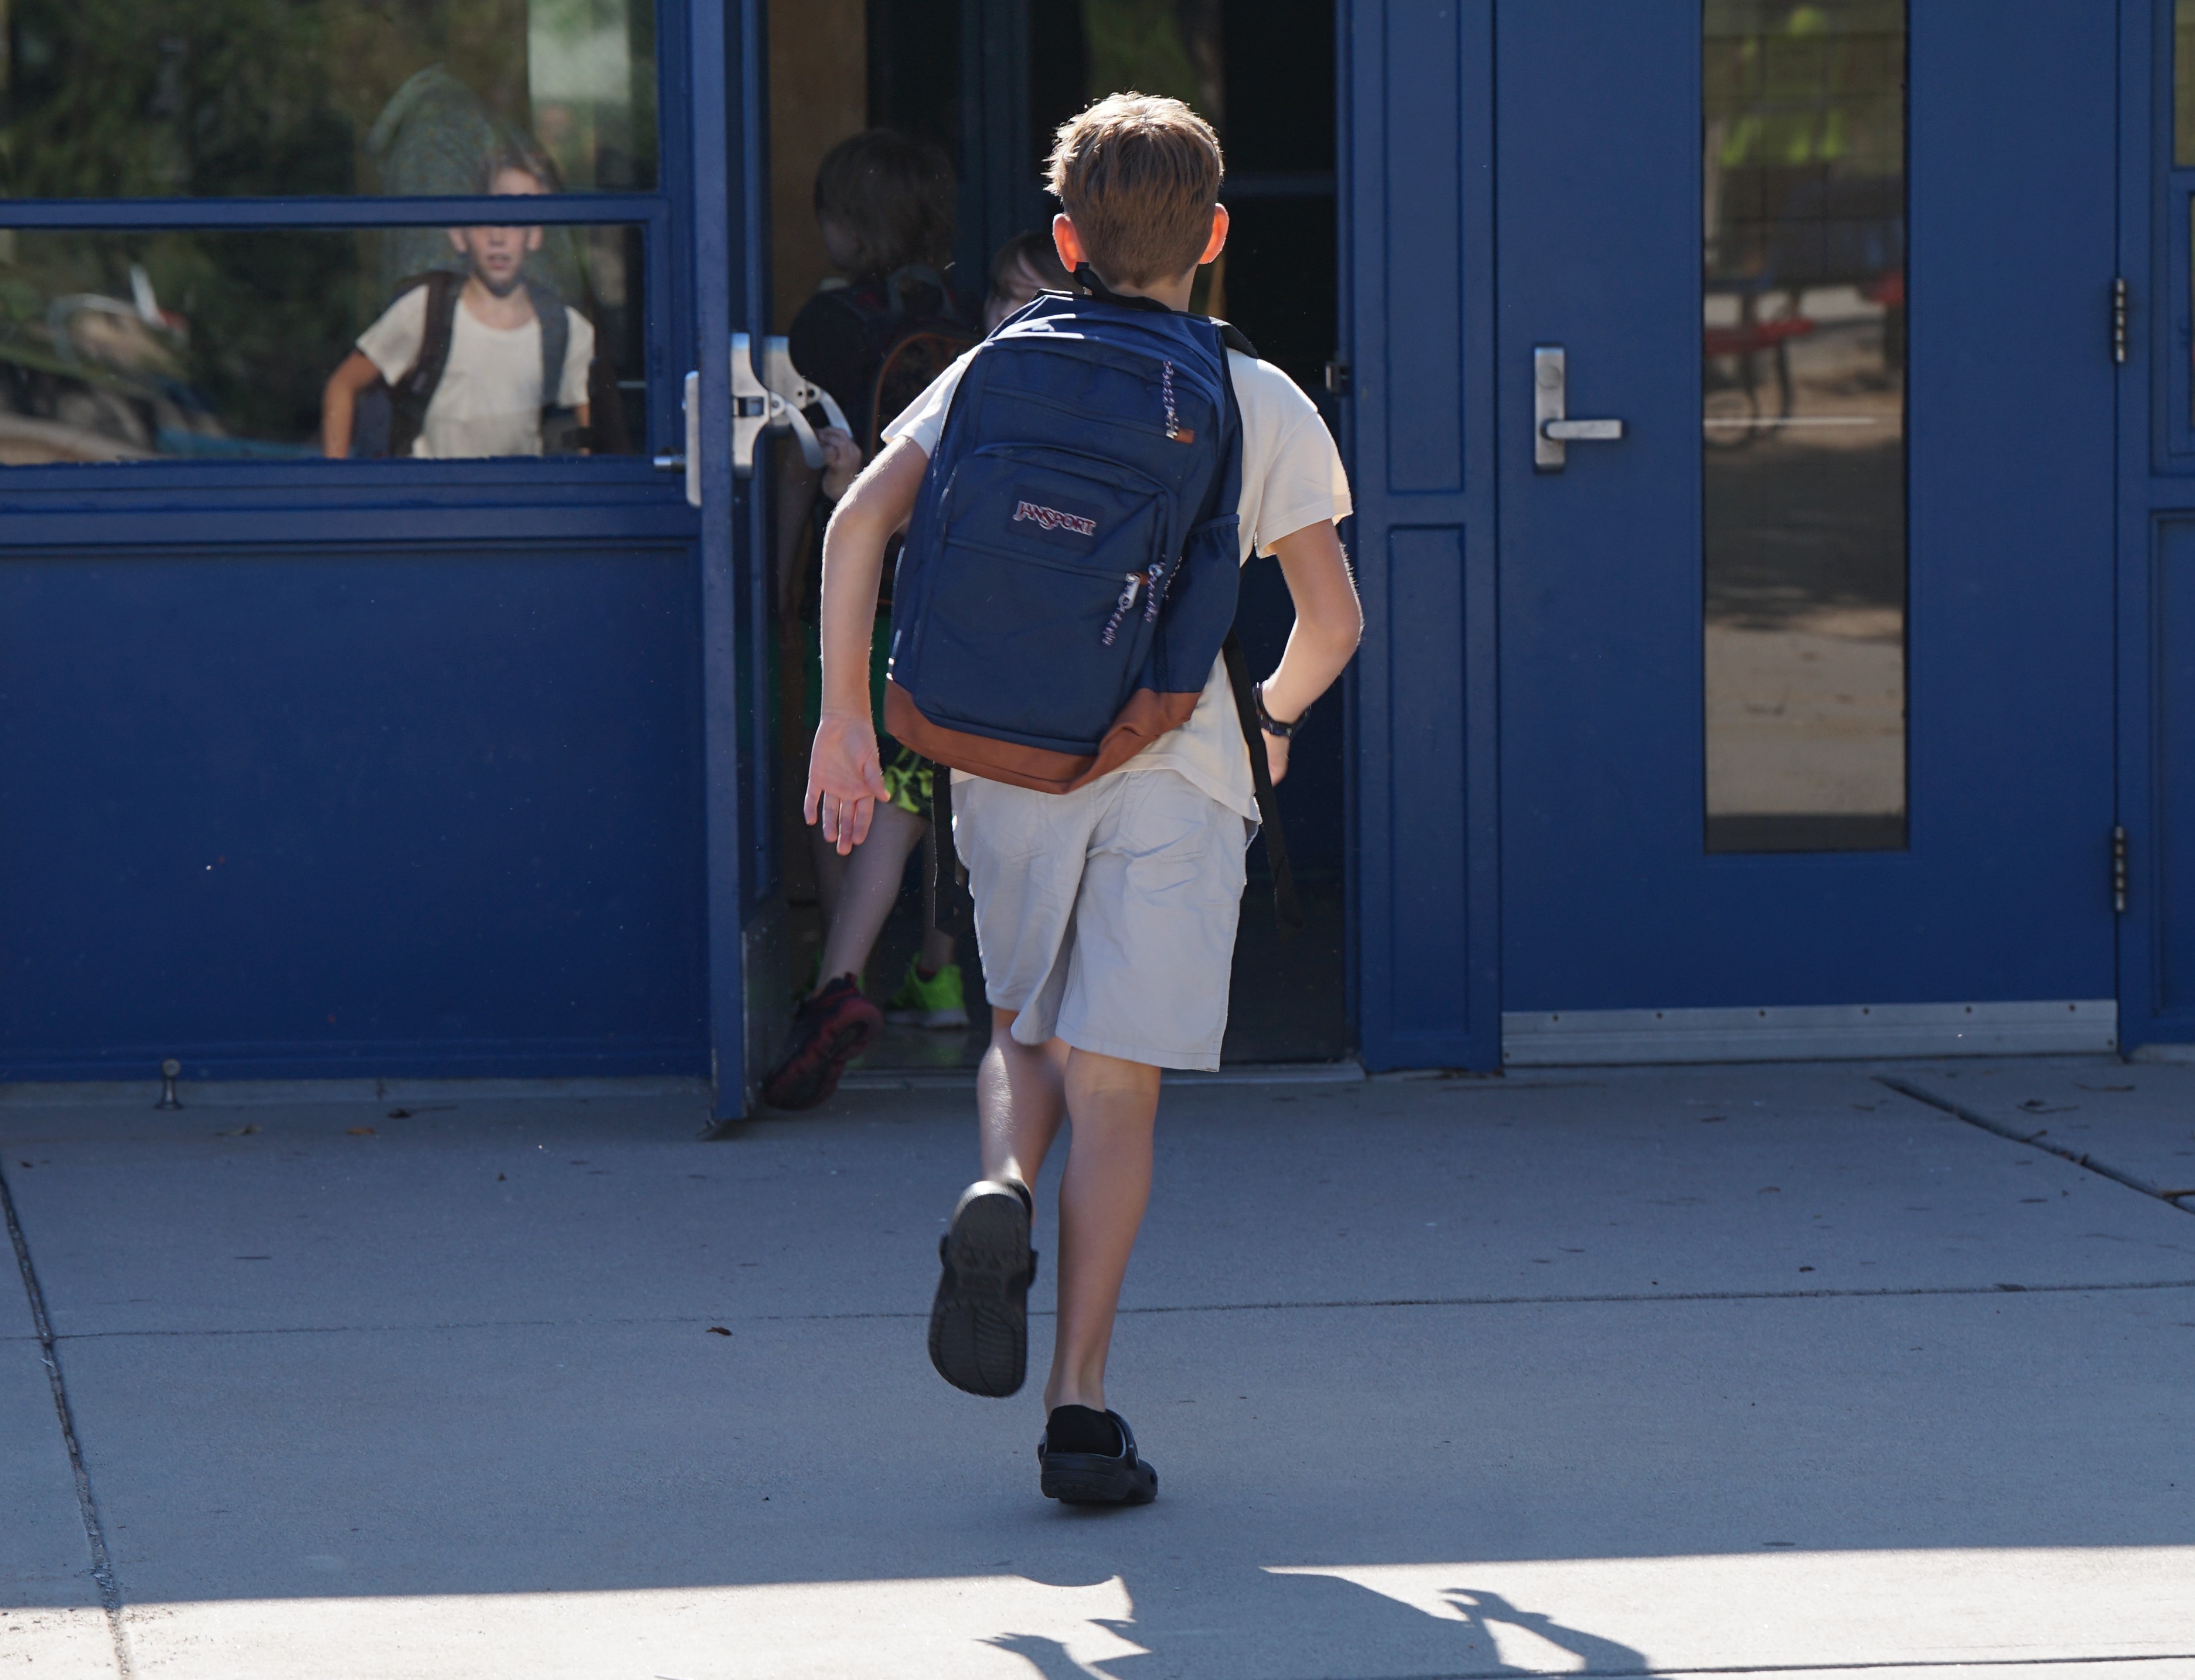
pixel 191 344
pixel 147 98
pixel 1803 424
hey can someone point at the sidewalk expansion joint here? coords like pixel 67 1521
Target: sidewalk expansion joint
pixel 2035 1140
pixel 102 1567
pixel 1919 1291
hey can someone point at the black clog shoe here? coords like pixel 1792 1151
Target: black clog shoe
pixel 1097 1478
pixel 979 1321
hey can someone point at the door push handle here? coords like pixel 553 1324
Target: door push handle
pixel 1552 426
pixel 773 402
pixel 1583 431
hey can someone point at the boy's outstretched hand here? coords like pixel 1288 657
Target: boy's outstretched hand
pixel 841 462
pixel 845 779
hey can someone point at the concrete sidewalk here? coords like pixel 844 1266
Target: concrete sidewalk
pixel 1620 1371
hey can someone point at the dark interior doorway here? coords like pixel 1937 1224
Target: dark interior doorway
pixel 989 81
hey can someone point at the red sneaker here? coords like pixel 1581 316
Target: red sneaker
pixel 829 1030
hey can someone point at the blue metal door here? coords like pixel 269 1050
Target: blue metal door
pixel 2156 530
pixel 1806 680
pixel 426 764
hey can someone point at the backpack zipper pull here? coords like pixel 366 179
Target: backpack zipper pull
pixel 1154 594
pixel 1174 430
pixel 1120 607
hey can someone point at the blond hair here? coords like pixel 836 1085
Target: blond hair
pixel 1139 176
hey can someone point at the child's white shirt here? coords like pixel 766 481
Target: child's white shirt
pixel 1292 478
pixel 489 401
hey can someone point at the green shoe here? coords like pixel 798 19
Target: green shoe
pixel 937 1002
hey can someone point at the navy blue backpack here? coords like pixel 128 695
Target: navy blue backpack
pixel 1070 571
pixel 1072 567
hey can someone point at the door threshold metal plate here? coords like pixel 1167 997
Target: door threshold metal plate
pixel 1811 1032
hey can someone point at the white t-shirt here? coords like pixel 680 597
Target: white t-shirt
pixel 489 401
pixel 1292 477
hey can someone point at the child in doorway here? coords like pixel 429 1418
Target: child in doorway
pixel 1024 266
pixel 1106 916
pixel 883 206
pixel 494 385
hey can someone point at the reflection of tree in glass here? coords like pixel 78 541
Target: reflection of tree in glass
pixel 146 337
pixel 1168 47
pixel 153 98
pixel 223 98
pixel 437 138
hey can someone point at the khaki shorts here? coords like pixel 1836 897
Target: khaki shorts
pixel 1106 916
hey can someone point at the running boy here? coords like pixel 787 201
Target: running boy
pixel 1106 916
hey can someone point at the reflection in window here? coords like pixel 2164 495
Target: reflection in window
pixel 1168 47
pixel 2183 83
pixel 206 345
pixel 1804 424
pixel 102 99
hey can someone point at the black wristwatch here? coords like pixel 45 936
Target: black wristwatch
pixel 1271 725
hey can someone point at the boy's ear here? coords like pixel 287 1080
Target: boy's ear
pixel 1217 242
pixel 1067 242
pixel 534 241
pixel 458 242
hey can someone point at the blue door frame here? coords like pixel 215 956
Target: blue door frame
pixel 1415 173
pixel 2157 544
pixel 401 770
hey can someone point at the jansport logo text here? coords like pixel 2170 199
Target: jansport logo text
pixel 1050 519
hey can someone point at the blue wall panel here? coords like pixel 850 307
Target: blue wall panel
pixel 1420 121
pixel 1417 318
pixel 298 813
pixel 2174 738
pixel 1428 817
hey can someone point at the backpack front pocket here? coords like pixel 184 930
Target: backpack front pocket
pixel 1037 604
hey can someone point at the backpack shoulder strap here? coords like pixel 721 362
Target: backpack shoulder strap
pixel 555 341
pixel 1287 909
pixel 1235 339
pixel 415 391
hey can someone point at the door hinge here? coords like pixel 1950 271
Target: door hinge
pixel 2118 871
pixel 1337 378
pixel 2119 319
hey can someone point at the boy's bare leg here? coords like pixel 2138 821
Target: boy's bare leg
pixel 1113 1106
pixel 1020 1098
pixel 830 875
pixel 867 891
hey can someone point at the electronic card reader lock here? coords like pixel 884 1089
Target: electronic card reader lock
pixel 1552 426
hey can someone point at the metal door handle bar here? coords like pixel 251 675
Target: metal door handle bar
pixel 1583 431
pixel 773 403
pixel 769 403
pixel 1552 428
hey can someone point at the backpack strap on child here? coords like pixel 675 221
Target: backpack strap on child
pixel 414 392
pixel 555 341
pixel 410 395
pixel 1287 908
pixel 560 434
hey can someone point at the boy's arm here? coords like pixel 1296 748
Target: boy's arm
pixel 1329 624
pixel 797 485
pixel 844 777
pixel 339 402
